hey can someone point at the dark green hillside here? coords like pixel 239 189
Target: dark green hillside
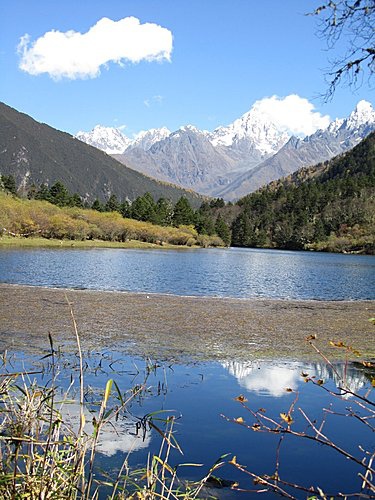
pixel 327 207
pixel 35 153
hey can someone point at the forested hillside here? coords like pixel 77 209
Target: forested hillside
pixel 35 153
pixel 327 207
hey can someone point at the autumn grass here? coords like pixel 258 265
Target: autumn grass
pixel 26 219
pixel 45 453
pixel 34 242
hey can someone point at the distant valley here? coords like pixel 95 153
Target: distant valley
pixel 234 160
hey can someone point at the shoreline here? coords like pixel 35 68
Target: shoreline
pixel 208 297
pixel 177 328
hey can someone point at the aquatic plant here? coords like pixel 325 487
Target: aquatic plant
pixel 50 437
pixel 295 423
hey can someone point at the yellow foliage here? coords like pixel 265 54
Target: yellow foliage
pixel 40 218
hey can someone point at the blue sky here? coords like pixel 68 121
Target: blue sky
pixel 225 55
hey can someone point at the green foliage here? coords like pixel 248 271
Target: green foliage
pixel 183 213
pixel 326 203
pixel 144 208
pixel 22 217
pixel 164 212
pixel 42 194
pixel 222 230
pixel 8 183
pixel 97 206
pixel 112 204
pixel 59 195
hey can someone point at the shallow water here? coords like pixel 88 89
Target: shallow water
pixel 241 334
pixel 230 272
pixel 200 396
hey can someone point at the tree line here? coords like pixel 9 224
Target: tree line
pixel 327 207
pixel 144 208
pixel 333 210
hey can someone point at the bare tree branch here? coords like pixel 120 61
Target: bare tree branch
pixel 353 23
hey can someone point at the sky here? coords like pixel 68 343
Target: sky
pixel 141 64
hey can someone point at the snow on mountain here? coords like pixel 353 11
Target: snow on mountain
pixel 236 159
pixel 112 141
pixel 109 139
pixel 363 114
pixel 340 136
pixel 146 138
pixel 253 131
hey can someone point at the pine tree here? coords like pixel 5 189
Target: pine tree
pixel 112 204
pixel 9 183
pixel 59 195
pixel 222 230
pixel 183 213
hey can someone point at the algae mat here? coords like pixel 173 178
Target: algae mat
pixel 178 328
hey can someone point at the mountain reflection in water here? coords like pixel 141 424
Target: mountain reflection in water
pixel 199 394
pixel 273 379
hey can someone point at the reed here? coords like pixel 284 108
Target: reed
pixel 45 453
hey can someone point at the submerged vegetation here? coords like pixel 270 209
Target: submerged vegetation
pixel 51 434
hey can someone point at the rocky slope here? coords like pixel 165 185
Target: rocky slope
pixel 35 153
pixel 233 160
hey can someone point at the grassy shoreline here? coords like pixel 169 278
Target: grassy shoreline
pixel 34 242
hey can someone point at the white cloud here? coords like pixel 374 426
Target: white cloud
pixel 265 379
pixel 156 99
pixel 114 436
pixel 77 55
pixel 293 114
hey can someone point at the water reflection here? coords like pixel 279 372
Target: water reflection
pixel 119 436
pixel 273 379
pixel 201 393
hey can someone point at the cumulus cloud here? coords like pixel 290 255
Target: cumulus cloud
pixel 293 113
pixel 77 55
pixel 265 379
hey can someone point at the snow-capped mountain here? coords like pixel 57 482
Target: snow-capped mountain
pixel 340 136
pixel 112 141
pixel 234 160
pixel 109 139
pixel 364 114
pixel 254 131
pixel 186 157
pixel 146 138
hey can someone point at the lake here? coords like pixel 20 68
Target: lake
pixel 202 395
pixel 202 398
pixel 229 272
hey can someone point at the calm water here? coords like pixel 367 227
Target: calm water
pixel 214 272
pixel 201 395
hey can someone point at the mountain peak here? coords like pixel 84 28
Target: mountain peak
pixel 146 138
pixel 254 130
pixel 109 139
pixel 363 114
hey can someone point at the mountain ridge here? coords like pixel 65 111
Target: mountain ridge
pixel 241 157
pixel 36 153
